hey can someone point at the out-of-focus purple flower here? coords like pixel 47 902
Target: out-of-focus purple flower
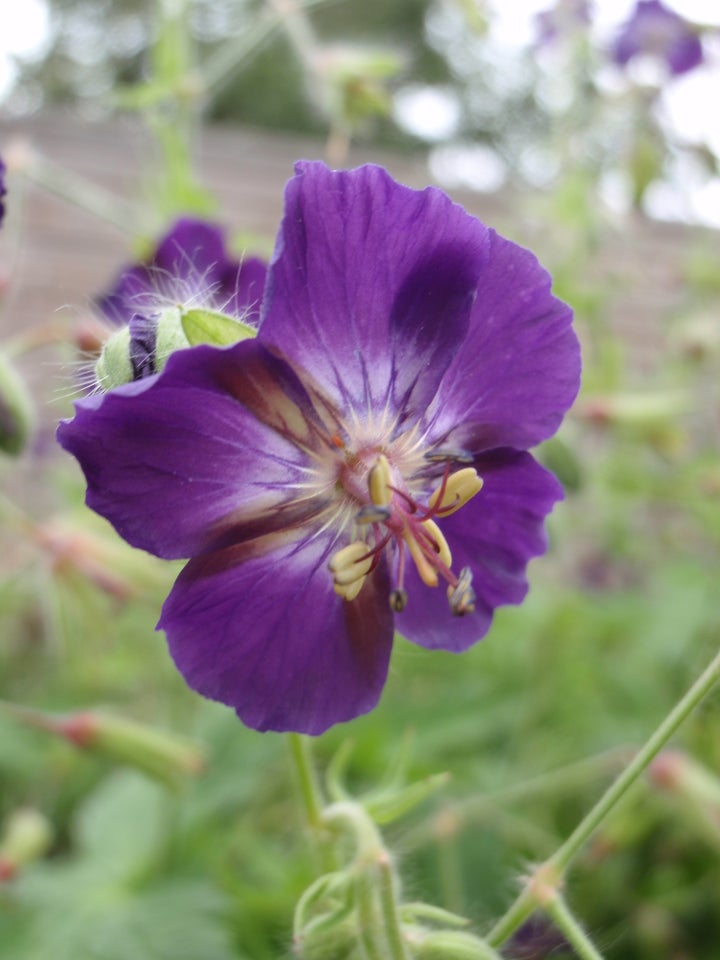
pixel 537 939
pixel 407 358
pixel 3 189
pixel 566 17
pixel 190 266
pixel 655 30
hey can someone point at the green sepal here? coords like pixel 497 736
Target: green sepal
pixel 391 805
pixel 213 328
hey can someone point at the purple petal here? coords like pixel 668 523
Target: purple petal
pixel 495 534
pixel 3 189
pixel 180 461
pixel 518 370
pixel 191 263
pixel 371 285
pixel 258 627
pixel 656 30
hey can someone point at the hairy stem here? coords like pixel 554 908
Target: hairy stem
pixel 527 901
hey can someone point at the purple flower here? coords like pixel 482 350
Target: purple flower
pixel 191 265
pixel 656 30
pixel 359 466
pixel 565 18
pixel 3 189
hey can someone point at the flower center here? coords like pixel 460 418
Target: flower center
pixel 391 517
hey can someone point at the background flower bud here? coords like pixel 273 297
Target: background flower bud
pixel 17 412
pixel 27 835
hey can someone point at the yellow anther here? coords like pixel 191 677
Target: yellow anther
pixel 349 591
pixel 440 544
pixel 344 559
pixel 349 567
pixel 379 482
pixel 427 574
pixel 460 487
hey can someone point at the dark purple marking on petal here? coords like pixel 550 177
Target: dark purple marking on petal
pixel 258 627
pixel 495 534
pixel 518 370
pixel 370 285
pixel 176 461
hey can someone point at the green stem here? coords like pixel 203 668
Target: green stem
pixel 527 901
pixel 367 915
pixel 642 759
pixel 564 920
pixel 307 779
pixel 78 191
pixel 226 61
pixel 389 908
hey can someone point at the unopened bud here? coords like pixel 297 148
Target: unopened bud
pixel 27 836
pixel 17 412
pixel 114 367
pixel 452 945
pixel 161 755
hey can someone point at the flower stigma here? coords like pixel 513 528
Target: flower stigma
pixel 385 487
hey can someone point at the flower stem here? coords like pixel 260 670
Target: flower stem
pixel 307 779
pixel 389 907
pixel 564 920
pixel 76 190
pixel 527 901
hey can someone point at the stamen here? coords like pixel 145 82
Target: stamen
pixel 455 492
pixel 372 514
pixel 379 482
pixel 462 596
pixel 439 543
pixel 398 600
pixel 350 590
pixel 451 454
pixel 347 556
pixel 349 567
pixel 427 574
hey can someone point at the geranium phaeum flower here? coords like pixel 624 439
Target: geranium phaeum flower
pixel 656 30
pixel 362 464
pixel 566 18
pixel 3 189
pixel 192 267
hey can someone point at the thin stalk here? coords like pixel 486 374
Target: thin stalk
pixel 231 56
pixel 390 914
pixel 527 901
pixel 367 914
pixel 560 913
pixel 80 192
pixel 307 779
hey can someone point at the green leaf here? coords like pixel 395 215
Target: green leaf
pixel 217 329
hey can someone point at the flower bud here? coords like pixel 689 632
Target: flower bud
pixel 17 413
pixel 161 755
pixel 26 837
pixel 113 367
pixel 452 945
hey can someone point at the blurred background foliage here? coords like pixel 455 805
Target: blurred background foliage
pixel 118 845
